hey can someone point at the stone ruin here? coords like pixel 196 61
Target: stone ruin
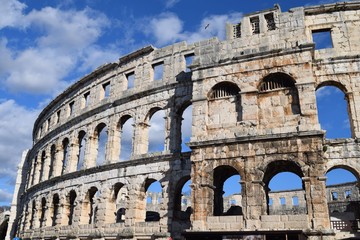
pixel 253 114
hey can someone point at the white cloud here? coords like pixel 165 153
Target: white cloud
pixel 15 135
pixel 10 13
pixel 171 3
pixel 167 28
pixel 5 197
pixel 62 41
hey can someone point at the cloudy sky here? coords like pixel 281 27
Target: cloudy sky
pixel 47 45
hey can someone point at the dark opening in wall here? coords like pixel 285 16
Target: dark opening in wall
pixel 130 77
pixel 270 21
pixel 158 69
pixel 255 25
pixel 322 38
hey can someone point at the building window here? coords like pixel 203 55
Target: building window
pixel 270 201
pixel 106 89
pixel 348 194
pixel 282 201
pixel 295 201
pixel 58 116
pixel 334 196
pixel 322 38
pixel 270 21
pixel 188 59
pixel 276 81
pixel 86 99
pixel 223 90
pixel 48 124
pixel 158 69
pixel 237 30
pixel 130 80
pixel 255 25
pixel 71 108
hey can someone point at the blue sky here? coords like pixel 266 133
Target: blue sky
pixel 47 45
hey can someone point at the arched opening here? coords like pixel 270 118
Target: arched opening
pixel 186 125
pixel 42 212
pixel 65 148
pixel 182 200
pixel 153 200
pixel 156 131
pixel 33 211
pixel 224 96
pixel 43 156
pixel 126 131
pixel 227 191
pixel 286 195
pixel 333 111
pixel 278 101
pixel 52 160
pixel 284 188
pixel 342 193
pixel 101 137
pixel 119 202
pixel 89 207
pixel 81 154
pixel 72 204
pixel 55 209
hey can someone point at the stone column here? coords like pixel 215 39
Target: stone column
pixel 37 170
pixel 255 203
pixel 112 153
pixel 58 163
pixel 46 167
pixel 141 138
pixel 168 122
pixel 175 132
pixel 353 100
pixel 90 152
pixel 73 156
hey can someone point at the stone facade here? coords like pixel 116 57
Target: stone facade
pixel 254 114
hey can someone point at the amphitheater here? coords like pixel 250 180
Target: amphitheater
pixel 253 114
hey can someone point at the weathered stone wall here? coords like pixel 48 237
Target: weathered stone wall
pixel 254 114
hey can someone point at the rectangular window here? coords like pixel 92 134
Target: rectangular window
pixel 158 71
pixel 334 196
pixel 282 201
pixel 48 125
pixel 295 201
pixel 270 201
pixel 322 38
pixel 237 30
pixel 106 88
pixel 188 59
pixel 71 108
pixel 58 113
pixel 255 25
pixel 348 194
pixel 270 21
pixel 130 80
pixel 86 99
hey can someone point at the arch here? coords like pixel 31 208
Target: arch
pixel 65 149
pixel 42 212
pixel 277 80
pixel 182 200
pixel 118 202
pixel 220 175
pixel 272 170
pixel 156 133
pixel 89 207
pixel 153 191
pixel 33 212
pixel 334 110
pixel 126 129
pixel 224 96
pixel 42 166
pixel 52 160
pixel 55 208
pixel 101 137
pixel 71 199
pixel 186 125
pixel 82 145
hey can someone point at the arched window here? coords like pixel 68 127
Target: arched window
pixel 276 81
pixel 43 156
pixel 333 112
pixel 72 204
pixel 42 213
pixel 55 208
pixel 101 136
pixel 157 131
pixel 81 154
pixel 52 160
pixel 119 202
pixel 229 178
pixel 182 200
pixel 89 207
pixel 153 200
pixel 186 125
pixel 342 194
pixel 280 178
pixel 33 211
pixel 224 97
pixel 127 130
pixel 65 147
